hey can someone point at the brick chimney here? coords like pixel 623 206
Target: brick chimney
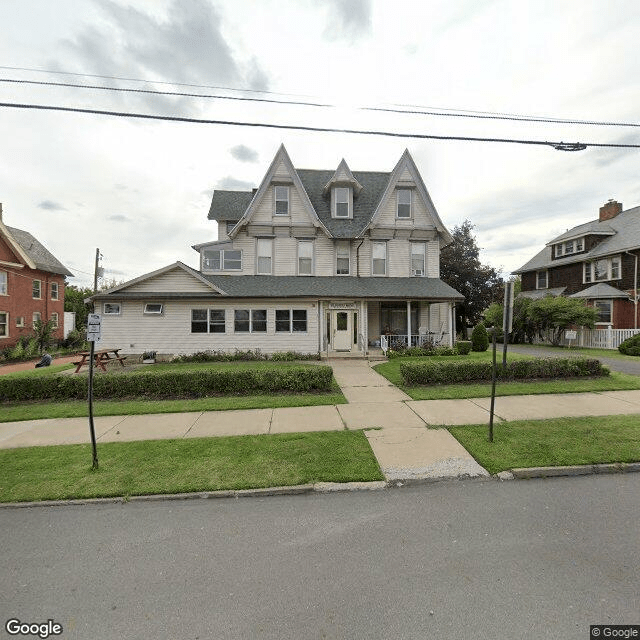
pixel 610 210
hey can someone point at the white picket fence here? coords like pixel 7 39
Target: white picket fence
pixel 596 338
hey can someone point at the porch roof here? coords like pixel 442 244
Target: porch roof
pixel 600 290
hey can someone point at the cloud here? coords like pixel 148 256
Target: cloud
pixel 244 153
pixel 50 205
pixel 229 182
pixel 119 218
pixel 348 19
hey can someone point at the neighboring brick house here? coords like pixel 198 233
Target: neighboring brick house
pixel 597 262
pixel 31 285
pixel 310 261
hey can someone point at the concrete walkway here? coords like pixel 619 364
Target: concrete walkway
pixel 400 430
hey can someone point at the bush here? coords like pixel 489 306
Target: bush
pixel 417 373
pixel 76 339
pixel 631 346
pixel 479 338
pixel 169 384
pixel 227 356
pixel 463 347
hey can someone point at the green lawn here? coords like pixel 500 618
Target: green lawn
pixel 186 465
pixel 550 443
pixel 566 352
pixel 391 371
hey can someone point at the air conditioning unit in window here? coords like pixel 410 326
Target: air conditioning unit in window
pixel 417 272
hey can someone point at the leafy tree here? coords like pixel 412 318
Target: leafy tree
pixel 43 333
pixel 554 315
pixel 479 338
pixel 461 269
pixel 74 300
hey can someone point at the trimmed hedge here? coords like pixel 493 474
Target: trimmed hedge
pixel 417 373
pixel 169 384
pixel 631 346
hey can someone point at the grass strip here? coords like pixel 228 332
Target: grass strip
pixel 551 443
pixel 185 465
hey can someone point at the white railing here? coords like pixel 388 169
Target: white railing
pixel 399 341
pixel 596 338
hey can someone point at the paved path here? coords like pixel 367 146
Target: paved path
pixel 406 435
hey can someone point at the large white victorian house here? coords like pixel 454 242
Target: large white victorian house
pixel 310 261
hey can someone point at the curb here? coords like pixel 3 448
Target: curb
pixel 318 487
pixel 578 470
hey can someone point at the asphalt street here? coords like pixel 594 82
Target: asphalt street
pixel 457 559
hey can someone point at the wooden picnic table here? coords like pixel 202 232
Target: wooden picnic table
pixel 101 357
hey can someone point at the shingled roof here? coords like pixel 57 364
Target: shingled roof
pixel 37 252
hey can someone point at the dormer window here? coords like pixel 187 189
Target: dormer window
pixel 342 202
pixel 403 203
pixel 281 201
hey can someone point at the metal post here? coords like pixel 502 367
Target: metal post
pixel 92 350
pixel 493 386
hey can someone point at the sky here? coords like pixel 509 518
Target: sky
pixel 140 190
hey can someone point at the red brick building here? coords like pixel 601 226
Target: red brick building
pixel 31 285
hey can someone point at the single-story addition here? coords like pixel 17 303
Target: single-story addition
pixel 336 262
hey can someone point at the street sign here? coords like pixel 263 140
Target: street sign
pixel 94 327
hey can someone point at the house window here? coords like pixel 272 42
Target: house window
pixel 579 244
pixel 291 320
pixel 36 317
pixel 250 321
pixel 4 324
pixel 20 321
pixel 54 291
pixel 343 257
pixel 222 259
pixel 282 201
pixel 111 309
pixel 207 321
pixel 379 258
pixel 541 280
pixel 603 269
pixel 229 225
pixel 265 255
pixel 37 289
pixel 153 308
pixel 403 203
pixel 605 308
pixel 54 320
pixel 341 197
pixel 418 254
pixel 305 257
pixel 3 283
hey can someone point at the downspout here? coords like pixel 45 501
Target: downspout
pixel 635 290
pixel 358 258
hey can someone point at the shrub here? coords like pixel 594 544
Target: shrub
pixel 169 384
pixel 631 346
pixel 479 338
pixel 463 347
pixel 226 356
pixel 416 373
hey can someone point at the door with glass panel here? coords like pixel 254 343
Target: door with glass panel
pixel 343 330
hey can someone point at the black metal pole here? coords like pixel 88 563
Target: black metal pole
pixel 493 386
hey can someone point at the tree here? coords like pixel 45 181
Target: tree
pixel 43 333
pixel 479 338
pixel 74 300
pixel 554 315
pixel 461 269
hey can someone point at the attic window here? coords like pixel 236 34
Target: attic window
pixel 281 201
pixel 153 308
pixel 341 202
pixel 404 203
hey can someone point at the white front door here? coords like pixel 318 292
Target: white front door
pixel 342 330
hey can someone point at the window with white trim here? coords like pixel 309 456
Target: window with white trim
pixel 250 321
pixel 341 202
pixel 222 259
pixel 20 321
pixel 605 311
pixel 208 321
pixel 542 279
pixel 602 270
pixel 281 195
pixel 54 291
pixel 418 258
pixel 265 256
pixel 36 317
pixel 291 320
pixel 305 257
pixel 3 283
pixel 4 324
pixel 568 247
pixel 111 309
pixel 343 257
pixel 54 320
pixel 153 308
pixel 37 289
pixel 379 258
pixel 403 204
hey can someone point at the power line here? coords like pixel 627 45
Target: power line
pixel 480 115
pixel 560 145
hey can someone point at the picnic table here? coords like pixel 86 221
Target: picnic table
pixel 101 357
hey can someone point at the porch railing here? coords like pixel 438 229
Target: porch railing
pixel 399 341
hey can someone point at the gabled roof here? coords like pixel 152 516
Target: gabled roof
pixel 620 234
pixel 32 252
pixel 343 176
pixel 600 290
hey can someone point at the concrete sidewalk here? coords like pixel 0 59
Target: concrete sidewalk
pixel 400 430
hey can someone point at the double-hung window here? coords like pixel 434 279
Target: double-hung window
pixel 291 320
pixel 4 324
pixel 379 258
pixel 250 321
pixel 265 256
pixel 281 207
pixel 36 317
pixel 343 257
pixel 3 283
pixel 403 203
pixel 54 291
pixel 341 201
pixel 54 320
pixel 602 269
pixel 305 257
pixel 37 289
pixel 542 280
pixel 418 258
pixel 604 308
pixel 207 321
pixel 222 259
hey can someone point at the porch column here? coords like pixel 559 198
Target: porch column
pixel 408 323
pixel 452 324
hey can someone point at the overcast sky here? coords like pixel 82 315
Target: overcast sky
pixel 140 190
